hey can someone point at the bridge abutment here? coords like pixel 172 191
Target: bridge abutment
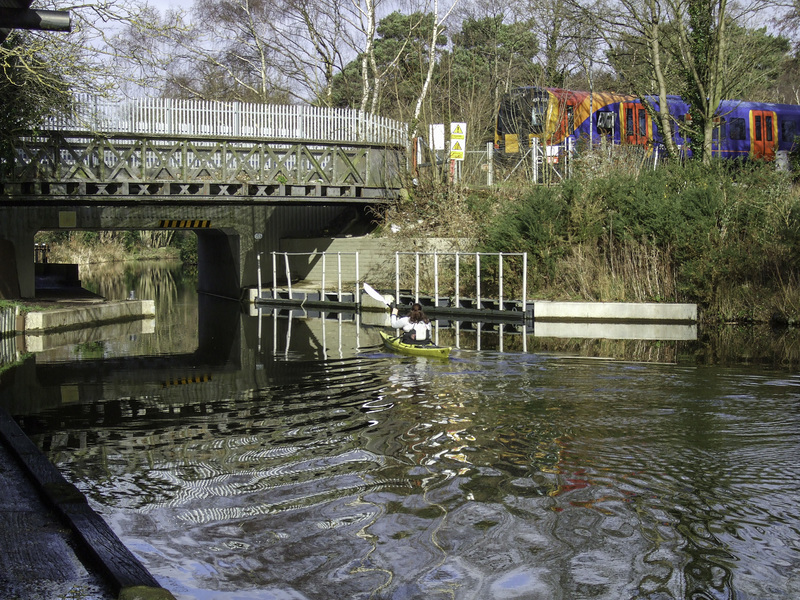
pixel 230 237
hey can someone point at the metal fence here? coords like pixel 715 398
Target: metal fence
pixel 344 268
pixel 485 167
pixel 181 118
pixel 461 284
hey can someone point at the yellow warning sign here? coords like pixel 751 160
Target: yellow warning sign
pixel 458 140
pixel 456 150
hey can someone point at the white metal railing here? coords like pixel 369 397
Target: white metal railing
pixel 324 255
pixel 457 272
pixel 166 116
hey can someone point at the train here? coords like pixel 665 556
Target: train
pixel 558 119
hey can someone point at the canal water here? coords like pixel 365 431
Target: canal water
pixel 247 456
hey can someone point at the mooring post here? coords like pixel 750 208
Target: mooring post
pixel 288 273
pixel 357 292
pixel 339 278
pixel 524 284
pixel 322 290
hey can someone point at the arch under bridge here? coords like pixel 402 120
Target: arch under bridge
pixel 241 176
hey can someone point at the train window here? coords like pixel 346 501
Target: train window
pixel 629 122
pixel 642 122
pixel 736 129
pixel 788 131
pixel 605 121
pixel 757 128
pixel 570 119
pixel 768 127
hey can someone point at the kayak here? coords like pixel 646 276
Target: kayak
pixel 429 349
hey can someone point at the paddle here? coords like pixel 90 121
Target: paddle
pixel 374 294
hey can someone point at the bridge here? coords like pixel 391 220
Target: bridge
pixel 241 176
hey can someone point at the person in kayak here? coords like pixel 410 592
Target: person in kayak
pixel 415 325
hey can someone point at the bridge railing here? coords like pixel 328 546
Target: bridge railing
pixel 172 117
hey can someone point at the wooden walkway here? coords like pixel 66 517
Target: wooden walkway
pixel 53 544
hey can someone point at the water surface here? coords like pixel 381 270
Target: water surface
pixel 278 458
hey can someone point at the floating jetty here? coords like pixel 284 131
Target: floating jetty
pixel 511 306
pixel 485 309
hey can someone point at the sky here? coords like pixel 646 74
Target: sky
pixel 164 5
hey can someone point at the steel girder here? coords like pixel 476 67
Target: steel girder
pixel 76 165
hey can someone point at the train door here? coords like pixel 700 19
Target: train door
pixel 635 124
pixel 763 134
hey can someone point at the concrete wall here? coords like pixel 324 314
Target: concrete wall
pixel 613 311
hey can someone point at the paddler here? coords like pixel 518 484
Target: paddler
pixel 415 325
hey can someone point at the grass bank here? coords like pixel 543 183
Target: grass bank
pixel 723 236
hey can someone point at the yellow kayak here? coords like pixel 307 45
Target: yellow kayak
pixel 430 350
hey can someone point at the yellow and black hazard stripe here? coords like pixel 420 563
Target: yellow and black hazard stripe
pixel 184 223
pixel 186 380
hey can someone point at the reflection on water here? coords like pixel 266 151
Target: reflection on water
pixel 489 476
pixel 296 458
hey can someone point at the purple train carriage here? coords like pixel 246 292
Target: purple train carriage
pixel 556 116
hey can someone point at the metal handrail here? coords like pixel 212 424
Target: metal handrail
pixel 324 255
pixel 458 256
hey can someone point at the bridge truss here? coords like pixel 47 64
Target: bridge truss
pixel 219 151
pixel 62 164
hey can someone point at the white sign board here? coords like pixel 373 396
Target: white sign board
pixel 436 135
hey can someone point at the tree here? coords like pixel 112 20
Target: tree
pixel 488 57
pixel 636 35
pixel 396 66
pixel 699 49
pixel 31 88
pixel 715 69
pixel 42 70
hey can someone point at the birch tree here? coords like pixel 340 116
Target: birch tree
pixel 437 29
pixel 633 32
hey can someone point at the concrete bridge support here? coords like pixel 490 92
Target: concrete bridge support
pixel 230 236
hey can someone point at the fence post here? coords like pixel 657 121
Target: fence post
pixel 416 277
pixel 478 279
pixel 524 284
pixel 288 273
pixel 489 163
pixel 274 276
pixel 501 278
pixel 458 284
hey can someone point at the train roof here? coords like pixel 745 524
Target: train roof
pixel 672 98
